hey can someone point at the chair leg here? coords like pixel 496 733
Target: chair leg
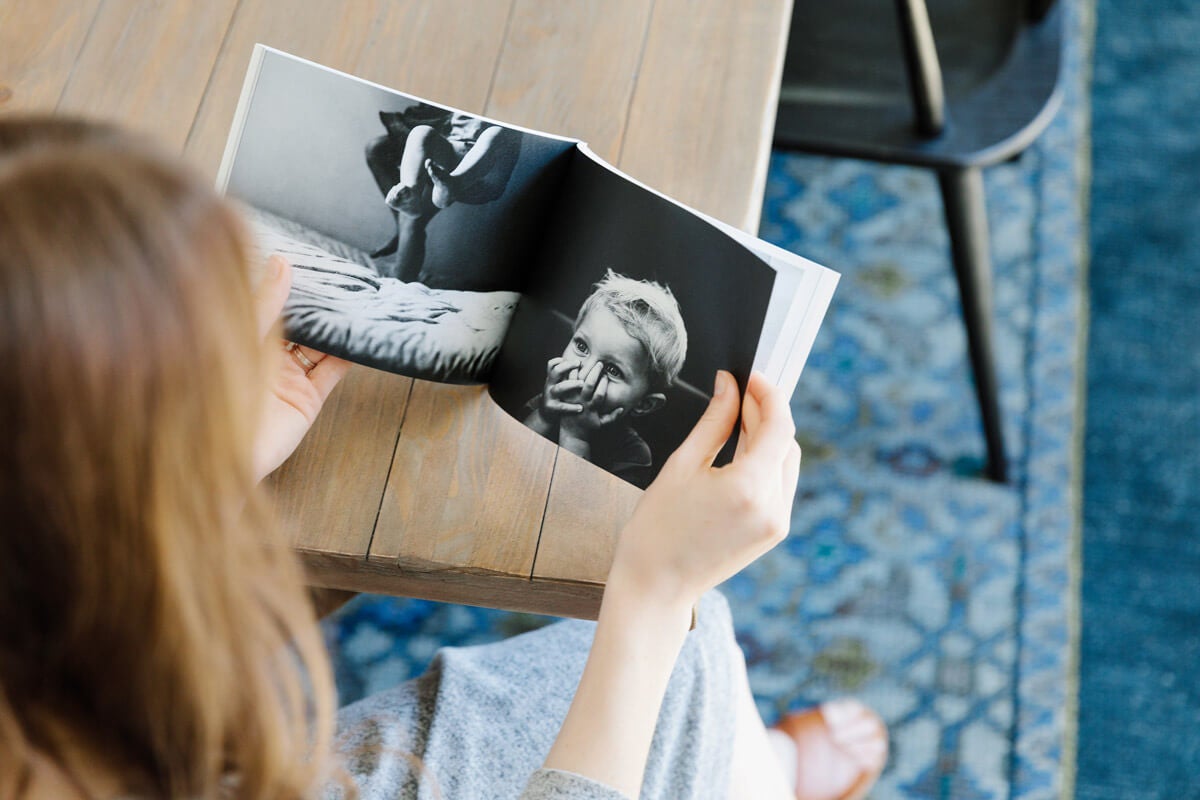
pixel 966 219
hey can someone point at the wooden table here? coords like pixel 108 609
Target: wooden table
pixel 409 487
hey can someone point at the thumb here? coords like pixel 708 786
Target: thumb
pixel 713 429
pixel 272 292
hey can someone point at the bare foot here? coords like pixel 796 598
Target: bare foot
pixel 841 747
pixel 443 193
pixel 405 199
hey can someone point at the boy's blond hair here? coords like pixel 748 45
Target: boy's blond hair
pixel 650 314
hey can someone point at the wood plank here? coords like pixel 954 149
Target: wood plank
pixel 40 42
pixel 444 51
pixel 467 489
pixel 146 64
pixel 578 537
pixel 328 492
pixel 572 74
pixel 725 58
pixel 435 582
pixel 398 44
pixel 699 55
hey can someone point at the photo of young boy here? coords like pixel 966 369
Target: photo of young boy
pixel 632 305
pixel 625 351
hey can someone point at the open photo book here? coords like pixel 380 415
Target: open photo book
pixel 450 247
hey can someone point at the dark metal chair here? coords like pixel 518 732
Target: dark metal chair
pixel 956 86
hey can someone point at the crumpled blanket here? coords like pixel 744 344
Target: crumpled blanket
pixel 340 305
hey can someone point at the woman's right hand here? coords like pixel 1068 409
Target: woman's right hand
pixel 697 524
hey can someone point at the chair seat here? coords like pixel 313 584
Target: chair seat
pixel 845 90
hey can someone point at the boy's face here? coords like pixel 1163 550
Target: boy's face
pixel 600 337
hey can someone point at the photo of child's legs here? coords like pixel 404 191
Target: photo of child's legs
pixel 482 174
pixel 429 173
pixel 423 146
pixel 410 199
pixel 383 155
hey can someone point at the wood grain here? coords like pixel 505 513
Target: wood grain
pixel 40 42
pixel 586 510
pixel 444 51
pixel 701 120
pixel 468 486
pixel 328 492
pixel 146 64
pixel 572 74
pixel 559 598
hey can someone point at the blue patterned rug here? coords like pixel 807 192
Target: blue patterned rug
pixel 945 601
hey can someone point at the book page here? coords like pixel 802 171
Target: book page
pixel 409 225
pixel 803 292
pixel 800 298
pixel 633 306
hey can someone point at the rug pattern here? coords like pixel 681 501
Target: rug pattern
pixel 944 601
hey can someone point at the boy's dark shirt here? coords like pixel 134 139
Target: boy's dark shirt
pixel 616 448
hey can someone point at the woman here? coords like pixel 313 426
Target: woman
pixel 155 639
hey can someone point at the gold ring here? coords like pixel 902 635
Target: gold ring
pixel 306 363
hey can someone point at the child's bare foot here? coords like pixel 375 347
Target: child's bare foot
pixel 405 199
pixel 840 749
pixel 443 193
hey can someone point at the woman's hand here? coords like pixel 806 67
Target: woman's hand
pixel 297 391
pixel 697 524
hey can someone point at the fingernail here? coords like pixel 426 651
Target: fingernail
pixel 720 385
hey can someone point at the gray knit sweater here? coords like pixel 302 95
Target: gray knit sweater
pixel 480 721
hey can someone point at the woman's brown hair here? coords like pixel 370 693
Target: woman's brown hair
pixel 148 607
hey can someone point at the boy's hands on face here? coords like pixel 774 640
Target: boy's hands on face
pixel 562 385
pixel 576 399
pixel 573 405
pixel 589 398
pixel 559 398
pixel 561 389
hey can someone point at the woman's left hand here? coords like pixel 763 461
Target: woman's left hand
pixel 297 391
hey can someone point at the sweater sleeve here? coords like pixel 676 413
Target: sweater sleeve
pixel 555 784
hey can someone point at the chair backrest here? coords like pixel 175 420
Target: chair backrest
pixel 928 82
pixel 921 63
pixel 855 47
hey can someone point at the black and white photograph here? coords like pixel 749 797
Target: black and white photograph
pixel 448 247
pixel 633 306
pixel 410 227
